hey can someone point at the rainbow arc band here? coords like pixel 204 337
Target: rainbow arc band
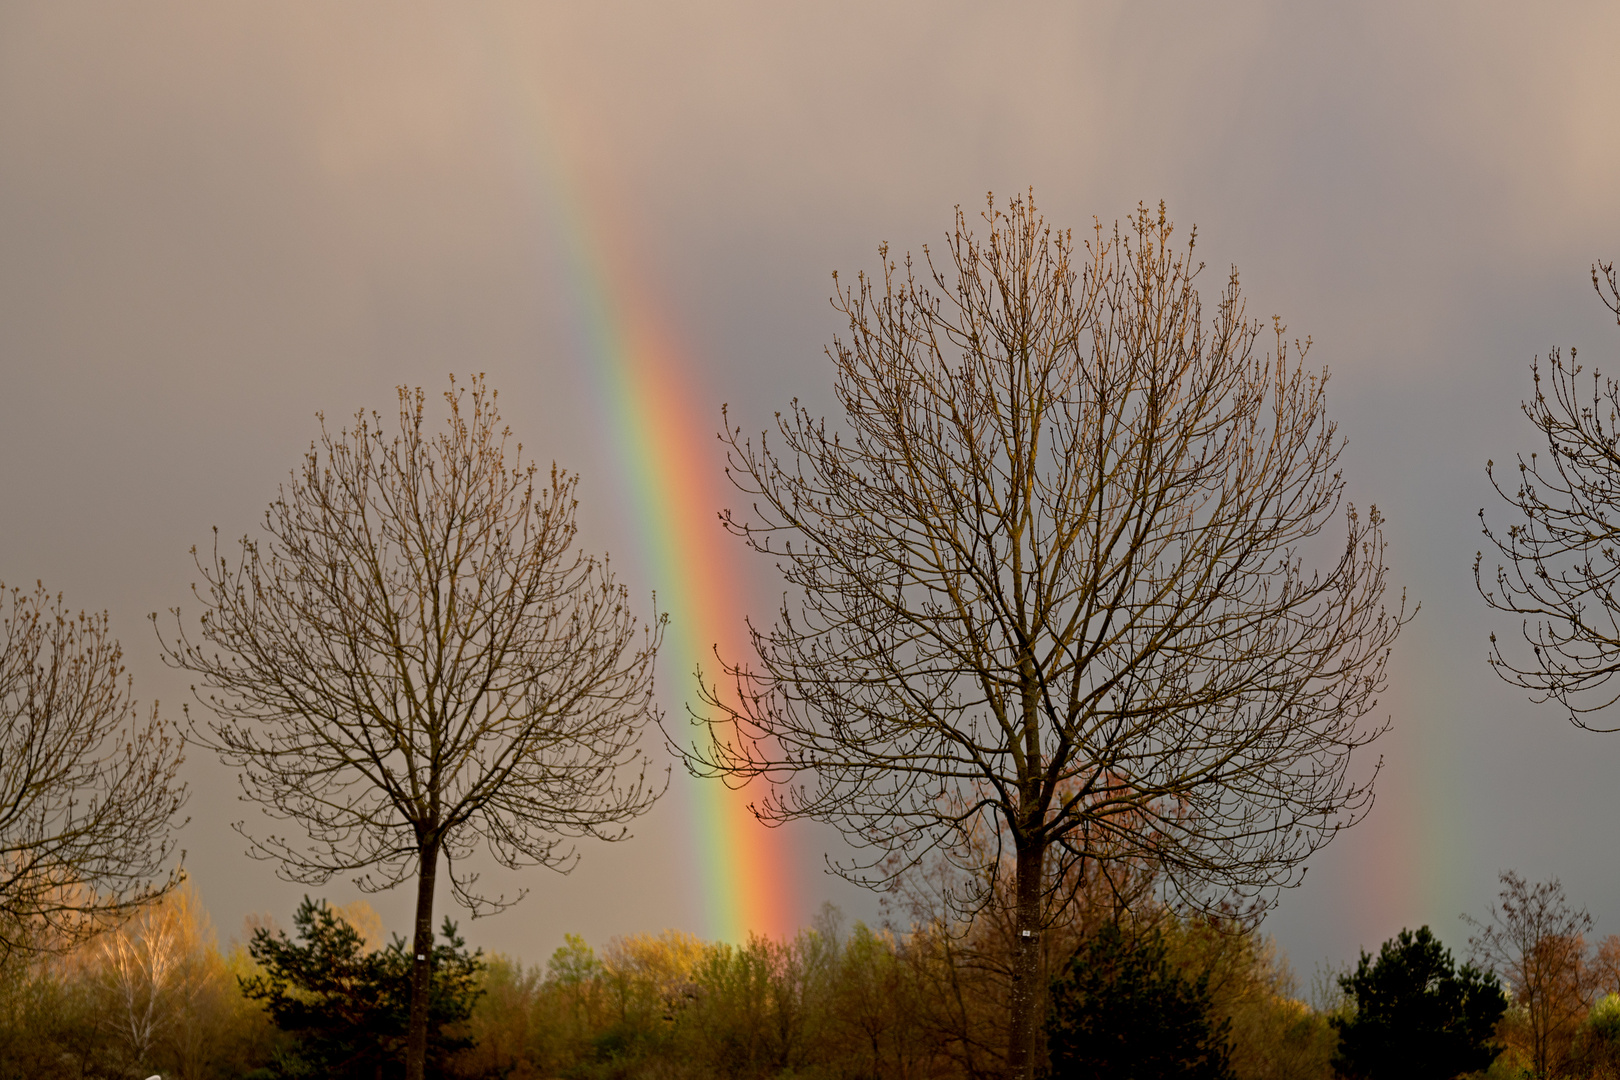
pixel 669 477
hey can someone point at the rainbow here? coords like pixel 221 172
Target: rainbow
pixel 664 437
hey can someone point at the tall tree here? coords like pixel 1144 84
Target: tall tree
pixel 418 659
pixel 89 799
pixel 1416 1014
pixel 1538 942
pixel 1054 571
pixel 1562 560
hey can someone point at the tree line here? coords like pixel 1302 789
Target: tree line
pixel 1075 608
pixel 1138 991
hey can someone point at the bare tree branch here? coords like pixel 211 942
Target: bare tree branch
pixel 88 788
pixel 1535 940
pixel 1562 566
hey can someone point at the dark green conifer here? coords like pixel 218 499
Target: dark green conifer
pixel 1417 1017
pixel 348 1010
pixel 1121 1012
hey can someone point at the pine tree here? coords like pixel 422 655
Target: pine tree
pixel 1121 1010
pixel 1416 1015
pixel 348 1009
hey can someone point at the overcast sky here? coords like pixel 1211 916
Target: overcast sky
pixel 217 220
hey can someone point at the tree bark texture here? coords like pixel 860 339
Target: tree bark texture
pixel 422 964
pixel 1024 1001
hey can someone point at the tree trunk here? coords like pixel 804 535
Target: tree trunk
pixel 1025 999
pixel 422 965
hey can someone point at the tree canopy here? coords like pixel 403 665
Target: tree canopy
pixel 1063 566
pixel 1561 558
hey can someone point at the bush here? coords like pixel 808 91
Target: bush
pixel 1599 1039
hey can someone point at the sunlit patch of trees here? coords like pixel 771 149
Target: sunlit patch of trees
pixel 157 993
pixel 1132 990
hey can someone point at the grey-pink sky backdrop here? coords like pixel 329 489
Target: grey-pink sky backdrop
pixel 216 220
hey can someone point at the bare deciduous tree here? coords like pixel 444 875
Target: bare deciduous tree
pixel 1538 943
pixel 1055 572
pixel 419 660
pixel 144 967
pixel 1563 554
pixel 88 795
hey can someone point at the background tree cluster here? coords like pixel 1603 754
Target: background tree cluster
pixel 155 994
pixel 1535 999
pixel 1135 989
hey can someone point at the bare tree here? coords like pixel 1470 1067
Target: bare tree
pixel 1538 942
pixel 143 966
pixel 1562 558
pixel 418 660
pixel 88 790
pixel 1054 572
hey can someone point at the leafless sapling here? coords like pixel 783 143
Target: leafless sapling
pixel 1537 942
